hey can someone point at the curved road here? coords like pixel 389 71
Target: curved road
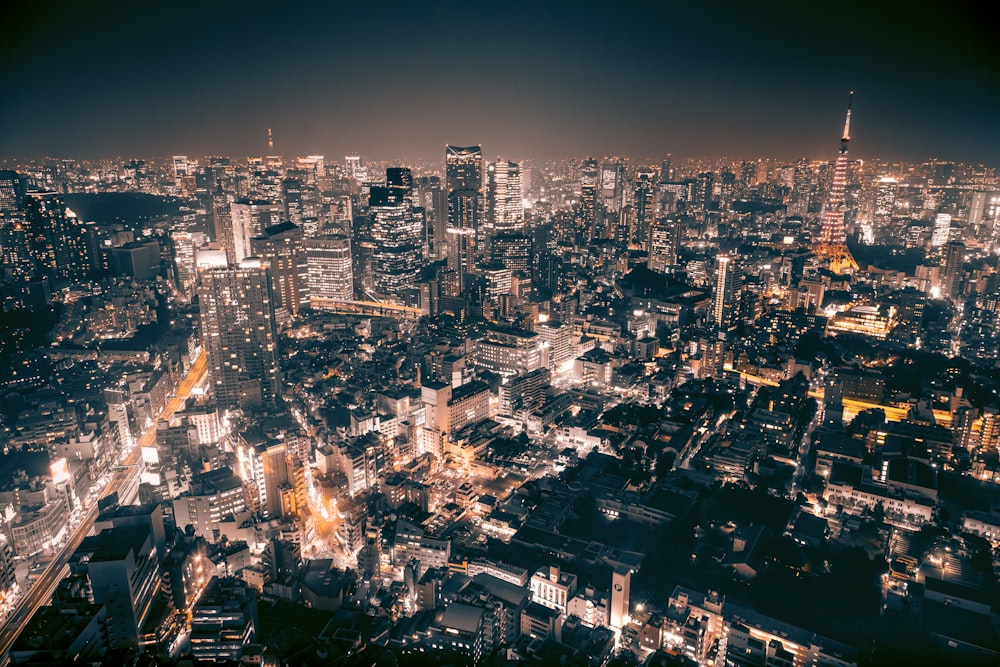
pixel 125 477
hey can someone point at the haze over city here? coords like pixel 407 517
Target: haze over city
pixel 523 79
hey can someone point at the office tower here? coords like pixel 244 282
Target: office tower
pixel 464 168
pixel 281 247
pixel 832 244
pixel 13 189
pixel 429 195
pixel 513 250
pixel 263 467
pixel 185 245
pixel 222 222
pixel 249 219
pixel 238 331
pixel 954 260
pixel 942 230
pixel 612 186
pixel 139 260
pixel 15 255
pixel 663 237
pixel 727 281
pixel 397 238
pixel 706 189
pixel 589 211
pixel 292 196
pixel 463 221
pixel 399 177
pixel 224 620
pixel 644 208
pixel 57 242
pixel 464 182
pixel 122 565
pixel 885 201
pixel 802 185
pixel 748 179
pixel 181 166
pixel 355 169
pixel 331 273
pixel 504 200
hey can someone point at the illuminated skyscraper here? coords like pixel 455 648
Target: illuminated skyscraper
pixel 238 331
pixel 331 274
pixel 727 281
pixel 589 198
pixel 612 186
pixel 57 241
pixel 954 259
pixel 464 182
pixel 250 218
pixel 885 201
pixel 14 254
pixel 644 207
pixel 281 247
pixel 398 238
pixel 464 168
pixel 504 202
pixel 942 230
pixel 663 237
pixel 832 244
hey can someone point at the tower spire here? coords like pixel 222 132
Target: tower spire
pixel 270 140
pixel 847 122
pixel 832 244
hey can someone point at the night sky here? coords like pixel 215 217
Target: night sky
pixel 527 80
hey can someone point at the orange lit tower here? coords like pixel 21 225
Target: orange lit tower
pixel 832 244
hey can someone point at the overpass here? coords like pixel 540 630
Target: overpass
pixel 373 308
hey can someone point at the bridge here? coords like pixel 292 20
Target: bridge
pixel 374 308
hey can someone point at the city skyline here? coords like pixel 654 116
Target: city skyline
pixel 528 82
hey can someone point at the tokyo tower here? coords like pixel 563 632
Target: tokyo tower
pixel 832 245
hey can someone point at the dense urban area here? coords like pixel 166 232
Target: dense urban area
pixel 589 412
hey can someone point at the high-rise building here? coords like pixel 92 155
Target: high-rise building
pixel 832 244
pixel 612 186
pixel 464 184
pixel 291 195
pixel 463 223
pixel 14 251
pixel 397 235
pixel 513 250
pixel 942 230
pixel 885 201
pixel 223 621
pixel 727 280
pixel 504 200
pixel 644 207
pixel 57 241
pixel 748 179
pixel 663 241
pixel 123 566
pixel 954 260
pixel 282 248
pixel 331 274
pixel 239 331
pixel 355 169
pixel 589 210
pixel 249 219
pixel 464 168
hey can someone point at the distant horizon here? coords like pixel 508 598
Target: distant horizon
pixel 537 80
pixel 406 161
